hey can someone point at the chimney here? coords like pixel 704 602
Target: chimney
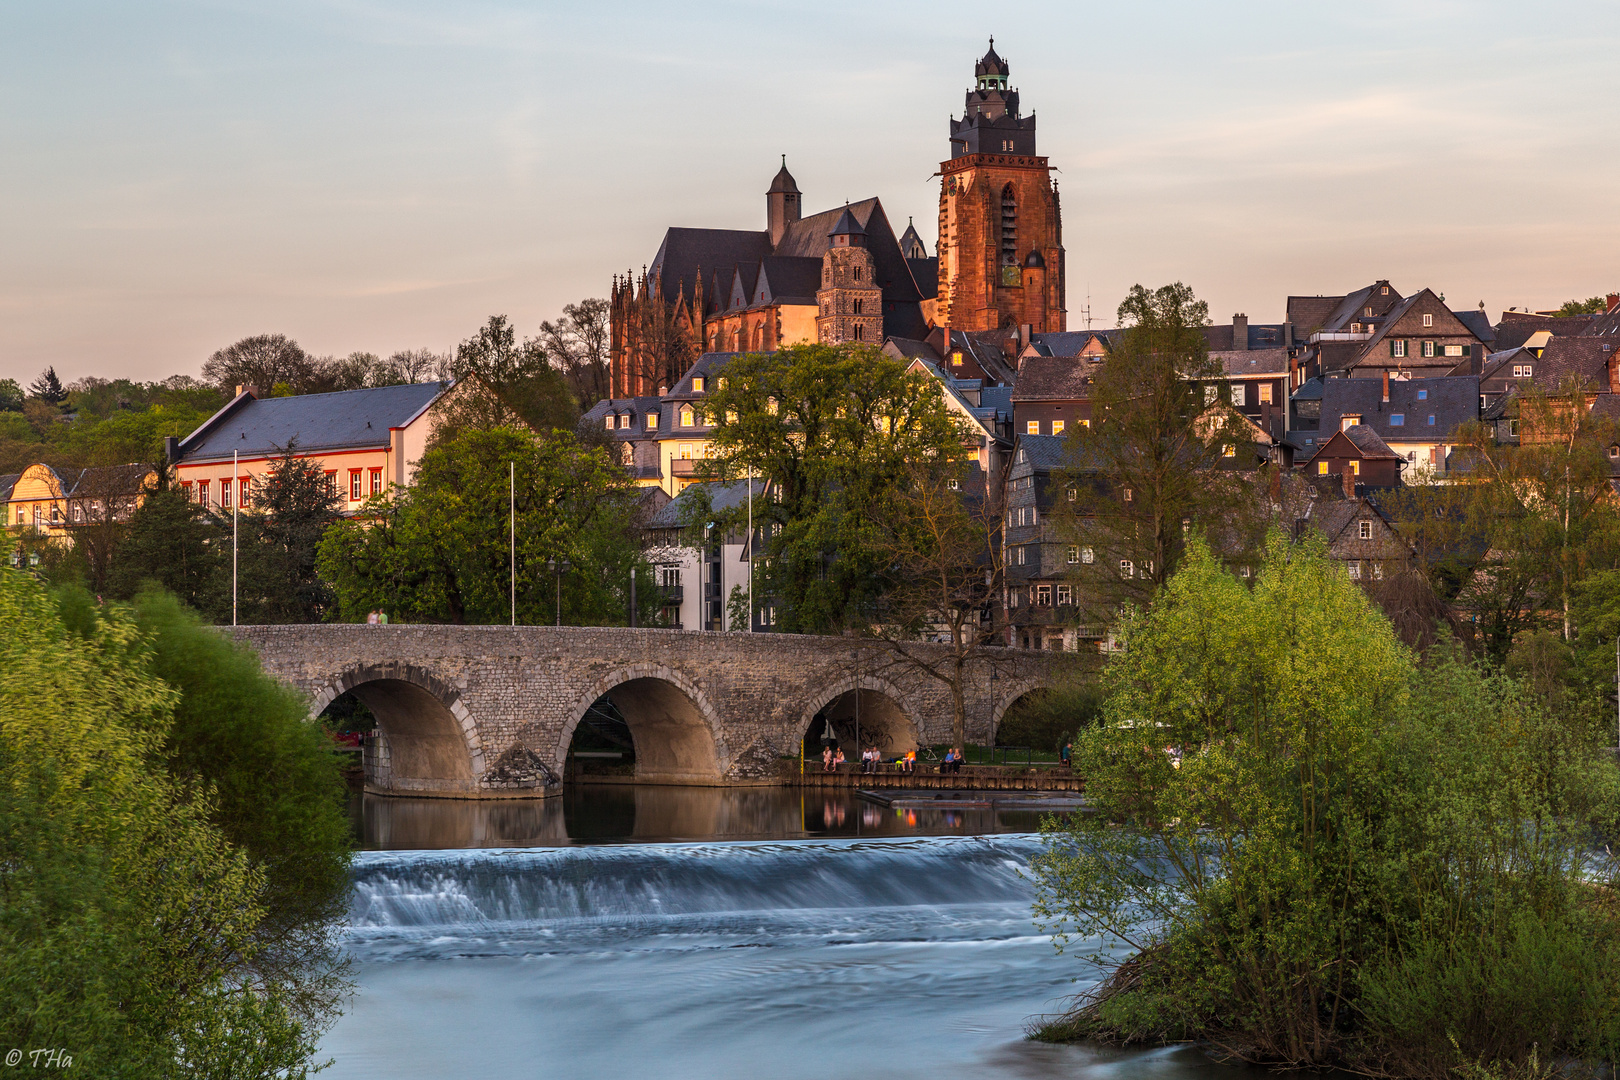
pixel 1240 332
pixel 1614 302
pixel 1386 387
pixel 171 449
pixel 1349 482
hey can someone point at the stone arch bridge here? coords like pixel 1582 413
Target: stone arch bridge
pixel 490 711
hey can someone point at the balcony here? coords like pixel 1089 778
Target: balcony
pixel 672 594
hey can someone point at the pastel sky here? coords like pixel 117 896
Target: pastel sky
pixel 363 175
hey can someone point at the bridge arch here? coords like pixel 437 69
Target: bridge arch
pixel 432 742
pixel 1020 688
pixel 887 712
pixel 673 723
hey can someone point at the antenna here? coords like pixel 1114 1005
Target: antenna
pixel 1087 309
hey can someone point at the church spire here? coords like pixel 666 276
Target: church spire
pixel 781 203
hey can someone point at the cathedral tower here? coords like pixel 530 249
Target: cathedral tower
pixel 850 301
pixel 781 203
pixel 1000 227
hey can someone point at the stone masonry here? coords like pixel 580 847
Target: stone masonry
pixel 489 711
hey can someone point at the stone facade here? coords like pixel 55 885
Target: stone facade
pixel 490 711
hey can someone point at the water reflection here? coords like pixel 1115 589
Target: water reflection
pixel 632 813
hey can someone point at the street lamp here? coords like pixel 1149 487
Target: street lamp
pixel 559 569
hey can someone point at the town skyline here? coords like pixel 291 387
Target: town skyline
pixel 380 179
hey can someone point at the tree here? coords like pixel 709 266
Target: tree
pixel 1319 855
pixel 834 428
pixel 1592 305
pixel 293 506
pixel 129 924
pixel 11 396
pixel 439 551
pixel 504 382
pixel 577 344
pixel 1156 458
pixel 179 545
pixel 939 535
pixel 419 365
pixel 263 361
pixel 47 388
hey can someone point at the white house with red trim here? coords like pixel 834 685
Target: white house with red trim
pixel 364 440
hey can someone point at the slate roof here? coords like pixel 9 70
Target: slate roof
pixel 1042 452
pixel 1238 362
pixel 1309 313
pixel 925 273
pixel 998 400
pixel 1478 323
pixel 1052 378
pixel 1604 325
pixel 1366 440
pixel 7 482
pixel 914 349
pixel 722 496
pixel 1517 327
pixel 349 419
pixel 636 407
pixel 687 252
pixel 1260 336
pixel 1584 359
pixel 1451 401
pixel 783 278
pixel 1069 342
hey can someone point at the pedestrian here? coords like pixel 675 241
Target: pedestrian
pixel 826 759
pixel 1066 754
pixel 382 618
pixel 371 617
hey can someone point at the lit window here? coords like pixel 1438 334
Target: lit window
pixel 697 384
pixel 1057 427
pixel 1384 291
pixel 1354 467
pixel 1074 553
pixel 1085 423
pixel 956 359
pixel 1321 468
pixel 1032 427
pixel 1265 393
pixel 1127 495
pixel 1365 529
pixel 652 420
pixel 1378 571
pixel 687 416
pixel 1428 320
pixel 1087 556
pixel 954 484
pixel 355 493
pixel 1454 350
pixel 1367 312
pixel 1127 569
pixel 686 451
pixel 1229 451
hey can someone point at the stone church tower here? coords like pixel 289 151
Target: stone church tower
pixel 1000 227
pixel 850 301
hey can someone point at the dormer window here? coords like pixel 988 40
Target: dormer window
pixel 1348 421
pixel 688 415
pixel 697 384
pixel 609 419
pixel 652 421
pixel 1423 395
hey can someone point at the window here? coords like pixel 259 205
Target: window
pixel 1073 494
pixel 225 493
pixel 956 359
pixel 1265 393
pixel 1397 349
pixel 1364 529
pixel 1229 451
pixel 1353 467
pixel 185 486
pixel 1057 427
pixel 1397 419
pixel 697 384
pixel 1020 556
pixel 608 421
pixel 1127 569
pixel 1023 512
pixel 1085 423
pixel 244 491
pixel 1355 328
pixel 652 420
pixel 1378 571
pixel 1321 468
pixel 1367 312
pixel 355 493
pixel 1614 451
pixel 1482 401
pixel 1032 427
pixel 1428 348
pixel 688 415
pixel 1348 421
pixel 1074 554
pixel 1423 395
pixel 202 491
pixel 1065 595
pixel 1012 598
pixel 1431 419
pixel 1009 230
pixel 857 273
pixel 767 616
pixel 1087 556
pixel 857 307
pixel 1210 394
pixel 1513 428
pixel 376 480
pixel 1521 371
pixel 1384 291
pixel 1243 571
pixel 1238 394
pixel 1428 320
pixel 954 484
pixel 1043 596
pixel 686 451
pixel 1355 571
pixel 1127 495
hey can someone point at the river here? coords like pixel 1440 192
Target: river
pixel 796 938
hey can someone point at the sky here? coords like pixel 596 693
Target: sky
pixel 378 176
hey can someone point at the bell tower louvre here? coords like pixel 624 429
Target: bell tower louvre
pixel 1000 226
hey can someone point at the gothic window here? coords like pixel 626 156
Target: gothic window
pixel 1009 227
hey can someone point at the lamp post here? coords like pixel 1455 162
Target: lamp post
pixel 559 569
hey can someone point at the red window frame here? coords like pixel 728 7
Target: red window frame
pixel 202 492
pixel 356 490
pixel 244 491
pixel 376 481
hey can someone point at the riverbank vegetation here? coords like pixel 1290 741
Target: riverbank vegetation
pixel 173 846
pixel 1311 851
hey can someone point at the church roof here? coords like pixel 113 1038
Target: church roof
pixel 783 180
pixel 925 272
pixel 991 64
pixel 910 241
pixel 685 251
pixel 847 225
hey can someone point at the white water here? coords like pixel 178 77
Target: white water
pixel 814 958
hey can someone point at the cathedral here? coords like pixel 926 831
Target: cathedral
pixel 842 275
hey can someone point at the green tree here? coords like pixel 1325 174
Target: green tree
pixel 262 361
pixel 577 345
pixel 1592 305
pixel 1155 459
pixel 439 551
pixel 47 388
pixel 179 545
pixel 504 382
pixel 1330 858
pixel 834 428
pixel 145 962
pixel 293 506
pixel 11 396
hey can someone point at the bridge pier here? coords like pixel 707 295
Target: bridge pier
pixel 490 711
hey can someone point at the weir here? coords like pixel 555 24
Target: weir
pixel 491 711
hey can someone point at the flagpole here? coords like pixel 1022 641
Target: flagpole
pixel 236 503
pixel 750 549
pixel 511 516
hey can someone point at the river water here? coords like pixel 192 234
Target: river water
pixel 594 940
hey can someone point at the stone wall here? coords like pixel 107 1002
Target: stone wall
pixel 490 710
